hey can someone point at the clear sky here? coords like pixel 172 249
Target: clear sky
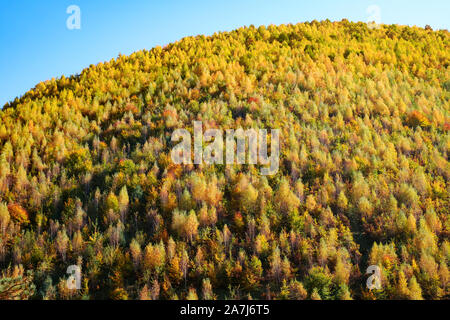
pixel 36 44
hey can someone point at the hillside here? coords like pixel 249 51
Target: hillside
pixel 86 175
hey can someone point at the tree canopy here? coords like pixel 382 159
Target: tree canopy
pixel 86 176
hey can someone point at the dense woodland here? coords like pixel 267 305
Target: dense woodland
pixel 86 176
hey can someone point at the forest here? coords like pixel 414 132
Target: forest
pixel 86 176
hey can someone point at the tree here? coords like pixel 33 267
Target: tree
pixel 15 285
pixel 402 286
pixel 184 264
pixel 318 284
pixel 4 218
pixel 198 187
pixel 186 202
pixel 123 201
pixel 343 292
pixel 77 242
pixel 62 243
pixel 275 265
pixel 192 294
pixel 86 169
pixel 342 269
pixel 207 291
pixel 78 162
pixel 315 294
pixel 311 203
pixel 285 198
pixel 191 225
pixel 342 201
pixel 365 207
pixel 154 257
pixel 136 253
pixel 415 293
pixel 226 237
pixel 203 215
pixel 185 225
pixel 18 213
pixel 155 289
pixel 112 203
pixel 246 195
pixel 144 293
pixel 297 291
pixel 175 269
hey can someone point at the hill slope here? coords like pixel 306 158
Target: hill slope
pixel 86 176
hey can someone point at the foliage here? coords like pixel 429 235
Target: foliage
pixel 86 176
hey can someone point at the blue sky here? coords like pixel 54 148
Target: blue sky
pixel 36 45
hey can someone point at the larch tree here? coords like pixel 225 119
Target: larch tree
pixel 123 201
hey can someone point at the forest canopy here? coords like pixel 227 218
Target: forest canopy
pixel 86 177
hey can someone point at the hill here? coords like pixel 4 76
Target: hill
pixel 86 175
